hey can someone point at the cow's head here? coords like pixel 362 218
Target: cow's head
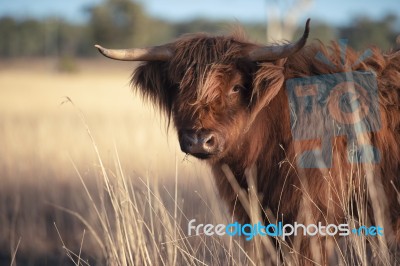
pixel 211 86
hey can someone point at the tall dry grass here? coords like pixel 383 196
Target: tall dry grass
pixel 47 156
pixel 91 176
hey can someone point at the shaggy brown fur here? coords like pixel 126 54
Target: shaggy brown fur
pixel 210 84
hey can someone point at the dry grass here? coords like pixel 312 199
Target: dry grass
pixel 88 178
pixel 46 154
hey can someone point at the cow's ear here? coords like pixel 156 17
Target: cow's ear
pixel 150 79
pixel 268 81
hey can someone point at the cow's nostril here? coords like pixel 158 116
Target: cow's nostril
pixel 210 140
pixel 209 143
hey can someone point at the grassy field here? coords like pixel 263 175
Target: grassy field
pixel 62 202
pixel 91 176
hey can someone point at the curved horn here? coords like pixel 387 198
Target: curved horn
pixel 155 53
pixel 271 53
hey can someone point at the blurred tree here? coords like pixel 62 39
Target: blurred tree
pixel 255 31
pixel 119 23
pixel 364 32
pixel 319 31
pixel 23 38
pixel 200 25
pixel 34 38
pixel 7 37
pixel 283 18
pixel 62 38
pixel 30 38
pixel 124 23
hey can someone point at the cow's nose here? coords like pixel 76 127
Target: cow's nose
pixel 201 144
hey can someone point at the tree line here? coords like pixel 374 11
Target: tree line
pixel 124 23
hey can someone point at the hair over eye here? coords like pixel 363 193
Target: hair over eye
pixel 237 88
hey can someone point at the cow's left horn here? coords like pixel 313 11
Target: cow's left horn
pixel 155 53
pixel 271 53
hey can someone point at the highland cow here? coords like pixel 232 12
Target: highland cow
pixel 229 100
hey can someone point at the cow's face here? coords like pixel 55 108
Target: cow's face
pixel 210 115
pixel 207 83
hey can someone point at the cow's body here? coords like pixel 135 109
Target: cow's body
pixel 231 109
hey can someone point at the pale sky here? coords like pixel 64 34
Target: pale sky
pixel 338 12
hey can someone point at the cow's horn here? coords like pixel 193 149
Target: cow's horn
pixel 271 53
pixel 155 53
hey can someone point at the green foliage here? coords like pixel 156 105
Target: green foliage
pixel 363 32
pixel 254 31
pixel 115 21
pixel 124 23
pixel 34 38
pixel 7 44
pixel 18 38
pixel 322 32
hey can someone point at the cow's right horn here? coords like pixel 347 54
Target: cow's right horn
pixel 271 53
pixel 155 53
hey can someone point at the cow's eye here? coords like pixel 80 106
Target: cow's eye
pixel 237 88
